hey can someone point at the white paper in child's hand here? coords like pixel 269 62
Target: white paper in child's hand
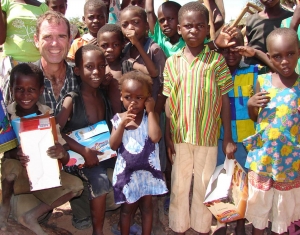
pixel 43 171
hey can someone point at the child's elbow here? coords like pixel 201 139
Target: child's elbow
pixel 156 138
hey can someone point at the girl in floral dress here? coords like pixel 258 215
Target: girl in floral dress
pixel 273 158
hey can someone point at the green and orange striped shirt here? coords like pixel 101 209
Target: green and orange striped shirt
pixel 195 92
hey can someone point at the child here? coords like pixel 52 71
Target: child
pixel 61 6
pixel 27 84
pixel 136 132
pixel 57 5
pixel 111 41
pixel 81 109
pixel 259 25
pixel 244 78
pixel 196 82
pixel 94 17
pixel 142 53
pixel 273 158
pixel 163 28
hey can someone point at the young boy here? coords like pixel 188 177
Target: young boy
pixel 57 5
pixel 111 40
pixel 27 84
pixel 196 81
pixel 95 17
pixel 163 28
pixel 260 25
pixel 244 78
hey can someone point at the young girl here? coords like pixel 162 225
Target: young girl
pixel 273 158
pixel 137 174
pixel 81 109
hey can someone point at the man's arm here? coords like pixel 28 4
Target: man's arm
pixel 152 18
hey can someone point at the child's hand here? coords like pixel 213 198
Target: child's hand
pixel 91 158
pixel 229 148
pixel 245 51
pixel 170 148
pixel 150 104
pixel 93 42
pixel 226 34
pixel 24 159
pixel 57 151
pixel 131 35
pixel 259 100
pixel 107 79
pixel 127 116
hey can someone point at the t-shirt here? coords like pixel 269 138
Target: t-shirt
pixel 257 30
pixel 77 43
pixel 164 42
pixel 21 26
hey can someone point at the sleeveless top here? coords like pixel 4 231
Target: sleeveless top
pixel 274 149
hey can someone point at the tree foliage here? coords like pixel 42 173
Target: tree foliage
pixel 78 22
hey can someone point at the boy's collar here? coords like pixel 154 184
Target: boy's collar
pixel 87 37
pixel 204 50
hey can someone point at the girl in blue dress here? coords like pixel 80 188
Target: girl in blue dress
pixel 137 174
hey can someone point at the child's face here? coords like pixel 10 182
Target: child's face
pixel 139 3
pixel 269 3
pixel 136 93
pixel 168 21
pixel 92 68
pixel 131 20
pixel 111 44
pixel 58 5
pixel 233 58
pixel 193 28
pixel 94 18
pixel 107 3
pixel 283 54
pixel 26 91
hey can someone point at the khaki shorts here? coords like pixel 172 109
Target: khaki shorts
pixel 69 183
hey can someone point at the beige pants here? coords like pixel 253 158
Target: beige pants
pixel 202 160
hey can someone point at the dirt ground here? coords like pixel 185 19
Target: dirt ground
pixel 60 223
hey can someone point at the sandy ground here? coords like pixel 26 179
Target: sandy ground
pixel 60 224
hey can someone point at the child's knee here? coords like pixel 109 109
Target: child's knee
pixel 11 177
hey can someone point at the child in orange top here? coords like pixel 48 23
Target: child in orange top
pixel 95 17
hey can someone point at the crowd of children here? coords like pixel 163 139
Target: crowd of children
pixel 166 90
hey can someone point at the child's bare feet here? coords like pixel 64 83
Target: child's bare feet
pixel 31 223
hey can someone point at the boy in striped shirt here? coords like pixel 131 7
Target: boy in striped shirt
pixel 196 81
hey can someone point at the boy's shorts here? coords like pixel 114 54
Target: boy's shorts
pixel 240 154
pixel 96 177
pixel 69 183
